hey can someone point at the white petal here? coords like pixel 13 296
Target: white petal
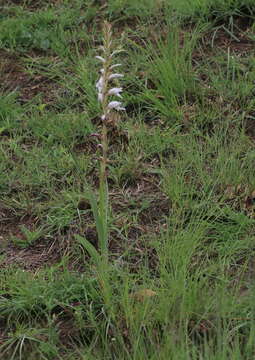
pixel 100 97
pixel 100 84
pixel 114 66
pixel 115 76
pixel 116 52
pixel 115 91
pixel 100 58
pixel 103 117
pixel 115 105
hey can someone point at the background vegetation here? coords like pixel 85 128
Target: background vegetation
pixel 179 281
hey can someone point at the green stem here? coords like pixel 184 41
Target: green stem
pixel 103 194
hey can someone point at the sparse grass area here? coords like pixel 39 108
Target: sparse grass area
pixel 179 280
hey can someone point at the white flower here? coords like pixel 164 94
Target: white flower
pixel 114 66
pixel 101 59
pixel 115 91
pixel 115 52
pixel 100 97
pixel 115 105
pixel 100 84
pixel 115 76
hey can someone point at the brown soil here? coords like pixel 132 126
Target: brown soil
pixel 13 77
pixel 30 4
pixel 222 40
pixel 32 257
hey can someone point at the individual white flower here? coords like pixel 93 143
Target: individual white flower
pixel 100 97
pixel 114 66
pixel 115 52
pixel 100 58
pixel 115 105
pixel 115 91
pixel 115 76
pixel 100 84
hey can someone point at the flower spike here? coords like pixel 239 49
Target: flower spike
pixel 108 76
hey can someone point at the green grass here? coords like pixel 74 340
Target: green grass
pixel 178 280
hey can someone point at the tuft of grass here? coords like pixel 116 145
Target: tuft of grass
pixel 171 79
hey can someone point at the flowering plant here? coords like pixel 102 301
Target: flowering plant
pixel 107 88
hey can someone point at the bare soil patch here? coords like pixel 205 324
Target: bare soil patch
pixel 33 256
pixel 14 77
pixel 30 259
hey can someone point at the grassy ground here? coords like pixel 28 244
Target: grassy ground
pixel 181 181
